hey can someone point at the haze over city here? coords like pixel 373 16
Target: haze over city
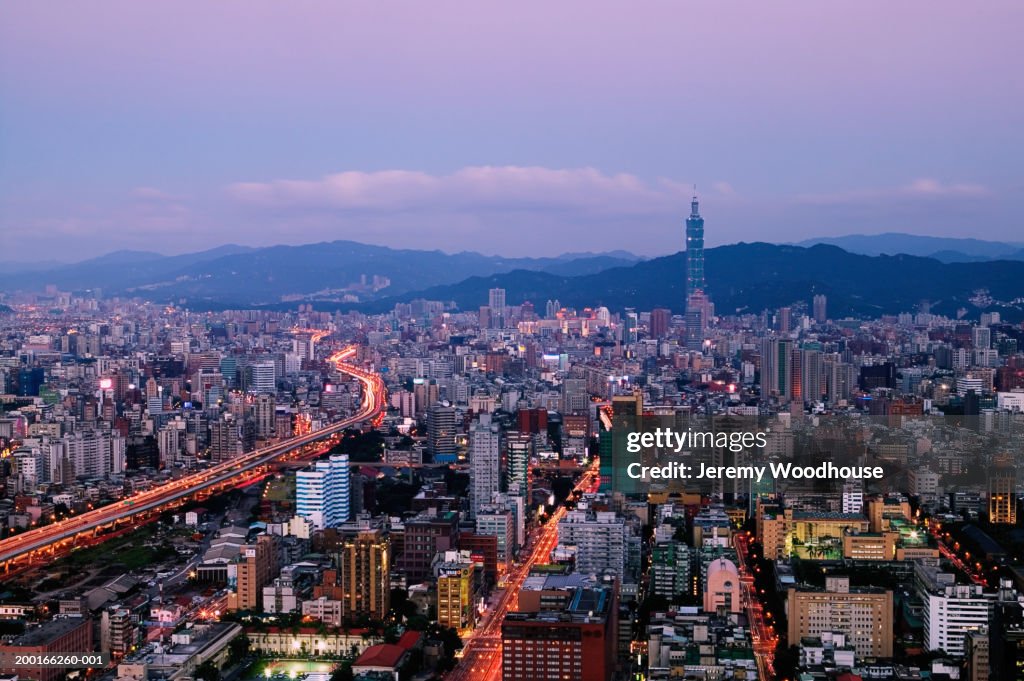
pixel 516 128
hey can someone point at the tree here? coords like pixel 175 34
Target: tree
pixel 208 671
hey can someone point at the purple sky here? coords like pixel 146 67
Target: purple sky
pixel 510 127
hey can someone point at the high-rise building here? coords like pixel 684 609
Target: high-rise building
pixel 230 438
pixel 952 610
pixel 441 433
pixel 777 368
pixel 484 462
pixel 257 566
pixel 694 250
pixel 1002 491
pixel 578 643
pixel 322 493
pixel 455 591
pixel 865 616
pixel 262 377
pixel 599 540
pixel 425 536
pixel 812 376
pixel 661 321
pixel 629 328
pixel 670 568
pixel 785 320
pixel 820 308
pixel 263 407
pixel 496 302
pixel 363 558
pixel 981 337
pixel 518 453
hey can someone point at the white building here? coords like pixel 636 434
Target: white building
pixel 599 540
pixel 951 611
pixel 484 462
pixel 322 493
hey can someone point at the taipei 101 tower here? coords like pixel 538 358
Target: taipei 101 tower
pixel 694 250
pixel 698 307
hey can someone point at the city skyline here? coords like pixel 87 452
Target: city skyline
pixel 145 132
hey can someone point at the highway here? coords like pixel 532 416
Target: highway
pixel 481 652
pixel 49 538
pixel 764 635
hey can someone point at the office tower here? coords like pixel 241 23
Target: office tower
pixel 230 438
pixel 670 568
pixel 777 368
pixel 950 612
pixel 484 462
pixel 785 320
pixel 426 392
pixel 629 328
pixel 796 375
pixel 498 521
pixel 811 376
pixel 1002 491
pixel 981 337
pixel 322 493
pixel 441 433
pixel 820 308
pixel 699 311
pixel 599 539
pixel 364 570
pixel 575 398
pixel 425 536
pixel 257 566
pixel 518 453
pixel 262 377
pixel 627 417
pixel 455 591
pixel 263 407
pixel 661 321
pixel 496 302
pixel 694 250
pixel 551 309
pixel 840 380
pixel 864 615
pixel 578 642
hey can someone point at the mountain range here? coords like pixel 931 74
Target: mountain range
pixel 744 277
pixel 238 275
pixel 750 277
pixel 945 249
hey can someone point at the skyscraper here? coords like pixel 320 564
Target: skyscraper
pixel 322 494
pixel 777 368
pixel 820 306
pixel 496 301
pixel 698 305
pixel 1002 491
pixel 441 433
pixel 661 321
pixel 484 462
pixel 694 250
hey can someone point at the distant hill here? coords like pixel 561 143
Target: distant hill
pixel 745 277
pixel 941 248
pixel 240 276
pixel 752 277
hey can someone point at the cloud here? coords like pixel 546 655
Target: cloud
pixel 474 188
pixel 921 188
